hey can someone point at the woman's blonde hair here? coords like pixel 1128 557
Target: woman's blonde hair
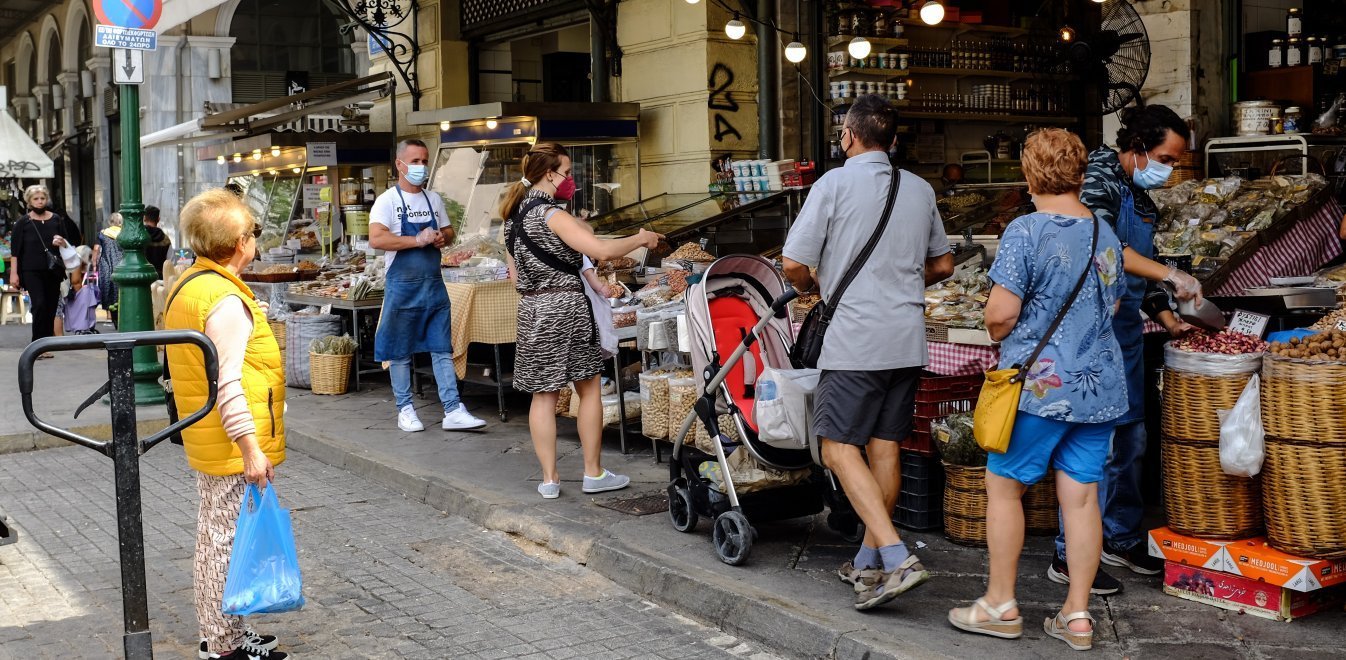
pixel 114 220
pixel 32 191
pixel 1054 161
pixel 213 221
pixel 539 160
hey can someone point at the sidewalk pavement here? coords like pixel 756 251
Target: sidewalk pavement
pixel 786 597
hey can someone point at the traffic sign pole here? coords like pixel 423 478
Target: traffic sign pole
pixel 134 274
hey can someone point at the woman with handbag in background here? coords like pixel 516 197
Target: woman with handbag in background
pixel 35 260
pixel 1057 282
pixel 558 337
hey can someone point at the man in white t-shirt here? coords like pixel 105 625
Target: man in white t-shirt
pixel 409 225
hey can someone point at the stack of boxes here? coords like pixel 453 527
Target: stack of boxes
pixel 1247 576
pixel 768 175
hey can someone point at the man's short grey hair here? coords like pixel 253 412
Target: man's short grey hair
pixel 410 142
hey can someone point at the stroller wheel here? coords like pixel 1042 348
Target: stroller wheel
pixel 848 526
pixel 733 538
pixel 680 510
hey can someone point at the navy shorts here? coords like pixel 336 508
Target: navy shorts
pixel 852 407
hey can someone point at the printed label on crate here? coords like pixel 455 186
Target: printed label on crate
pixel 1171 546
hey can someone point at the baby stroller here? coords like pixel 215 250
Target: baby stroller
pixel 739 309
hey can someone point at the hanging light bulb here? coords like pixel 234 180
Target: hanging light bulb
pixel 859 48
pixel 795 51
pixel 692 2
pixel 491 124
pixel 1067 33
pixel 1100 1
pixel 271 172
pixel 296 170
pixel 238 158
pixel 932 12
pixel 735 29
pixel 275 151
pixel 219 159
pixel 443 126
pixel 256 154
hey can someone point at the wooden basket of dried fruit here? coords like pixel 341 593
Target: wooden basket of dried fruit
pixel 1303 381
pixel 1204 373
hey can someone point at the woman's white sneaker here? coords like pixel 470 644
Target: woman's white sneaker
pixel 408 421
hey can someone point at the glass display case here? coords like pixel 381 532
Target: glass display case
pixel 482 148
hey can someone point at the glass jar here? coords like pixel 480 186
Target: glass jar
pixel 1276 56
pixel 1315 50
pixel 1294 22
pixel 1294 116
pixel 843 26
pixel 1294 52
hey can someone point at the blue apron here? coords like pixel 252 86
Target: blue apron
pixel 416 316
pixel 1132 230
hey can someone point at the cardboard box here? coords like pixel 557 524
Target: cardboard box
pixel 1255 559
pixel 1251 558
pixel 1171 546
pixel 1243 594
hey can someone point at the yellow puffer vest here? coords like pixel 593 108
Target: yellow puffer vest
pixel 209 449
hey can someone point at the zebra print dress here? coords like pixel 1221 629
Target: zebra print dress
pixel 557 338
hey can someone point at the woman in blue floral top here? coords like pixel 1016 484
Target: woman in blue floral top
pixel 1072 394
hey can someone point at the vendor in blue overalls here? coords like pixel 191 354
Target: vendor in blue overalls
pixel 1152 138
pixel 410 226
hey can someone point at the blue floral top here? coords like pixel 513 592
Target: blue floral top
pixel 1079 376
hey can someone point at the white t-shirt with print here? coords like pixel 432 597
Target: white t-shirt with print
pixel 388 209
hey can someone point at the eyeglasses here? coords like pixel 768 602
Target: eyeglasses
pixel 256 230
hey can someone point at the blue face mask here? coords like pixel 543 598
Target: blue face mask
pixel 1154 176
pixel 416 174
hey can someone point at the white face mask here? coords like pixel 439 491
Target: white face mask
pixel 416 174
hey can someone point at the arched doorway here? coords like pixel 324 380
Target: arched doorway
pixel 280 42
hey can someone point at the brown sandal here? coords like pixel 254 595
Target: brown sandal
pixel 965 619
pixel 1059 627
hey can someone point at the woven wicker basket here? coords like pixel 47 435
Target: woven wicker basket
pixel 278 329
pixel 1190 402
pixel 330 373
pixel 1201 500
pixel 1305 493
pixel 1302 400
pixel 965 505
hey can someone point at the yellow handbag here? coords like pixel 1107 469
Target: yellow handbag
pixel 998 403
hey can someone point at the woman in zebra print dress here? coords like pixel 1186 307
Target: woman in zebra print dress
pixel 557 338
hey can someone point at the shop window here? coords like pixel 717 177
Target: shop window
pixel 273 37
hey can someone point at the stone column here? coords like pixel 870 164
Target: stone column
pixel 41 123
pixel 69 84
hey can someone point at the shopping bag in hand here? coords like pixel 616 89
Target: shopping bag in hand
pixel 264 567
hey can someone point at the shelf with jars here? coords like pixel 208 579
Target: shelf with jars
pixel 878 43
pixel 867 73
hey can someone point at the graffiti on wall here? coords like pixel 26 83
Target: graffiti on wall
pixel 721 79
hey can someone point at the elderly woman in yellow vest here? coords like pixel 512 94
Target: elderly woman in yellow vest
pixel 243 439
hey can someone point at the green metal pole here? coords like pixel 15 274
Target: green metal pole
pixel 134 274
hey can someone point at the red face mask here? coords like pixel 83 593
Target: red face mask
pixel 566 189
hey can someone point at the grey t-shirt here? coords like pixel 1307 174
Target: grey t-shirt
pixel 880 322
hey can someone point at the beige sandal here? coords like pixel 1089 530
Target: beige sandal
pixel 965 619
pixel 1059 627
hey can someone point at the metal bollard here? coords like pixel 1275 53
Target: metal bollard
pixel 124 450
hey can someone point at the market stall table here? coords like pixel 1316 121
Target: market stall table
pixel 484 313
pixel 948 359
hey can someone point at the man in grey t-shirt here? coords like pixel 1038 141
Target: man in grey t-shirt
pixel 874 349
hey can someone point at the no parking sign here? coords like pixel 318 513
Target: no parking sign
pixel 136 14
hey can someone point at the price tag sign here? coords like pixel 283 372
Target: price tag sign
pixel 327 309
pixel 313 195
pixel 321 153
pixel 1249 323
pixel 1341 325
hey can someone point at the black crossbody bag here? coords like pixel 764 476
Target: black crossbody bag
pixel 809 346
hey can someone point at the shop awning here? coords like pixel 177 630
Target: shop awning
pixel 20 157
pixel 271 114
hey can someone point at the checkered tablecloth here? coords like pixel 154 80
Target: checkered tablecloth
pixel 483 313
pixel 961 359
pixel 1308 245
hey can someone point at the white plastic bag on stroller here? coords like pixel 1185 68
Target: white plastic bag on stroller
pixel 783 408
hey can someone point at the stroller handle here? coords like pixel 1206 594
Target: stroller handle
pixel 779 305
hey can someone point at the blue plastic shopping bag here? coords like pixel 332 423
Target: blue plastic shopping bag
pixel 264 567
